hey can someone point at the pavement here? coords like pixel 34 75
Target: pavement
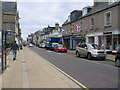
pixel 30 70
pixel 109 56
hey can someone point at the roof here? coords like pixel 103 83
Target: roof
pixel 9 6
pixel 100 7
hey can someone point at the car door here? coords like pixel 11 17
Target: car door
pixel 85 49
pixel 80 48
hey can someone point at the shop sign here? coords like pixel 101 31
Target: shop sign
pixel 9 32
pixel 107 32
pixel 66 37
pixel 76 36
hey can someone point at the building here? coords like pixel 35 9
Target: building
pixel 99 25
pixel 30 38
pixel 45 34
pixel 73 32
pixel 56 34
pixel 10 21
pixel 0 26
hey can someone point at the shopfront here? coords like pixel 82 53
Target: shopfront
pixel 77 39
pixel 110 42
pixel 66 41
pixel 106 40
pixel 0 48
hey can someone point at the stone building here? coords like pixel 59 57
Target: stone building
pixel 10 21
pixel 99 25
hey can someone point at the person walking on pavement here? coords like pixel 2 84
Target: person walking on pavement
pixel 14 48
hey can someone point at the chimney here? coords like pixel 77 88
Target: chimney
pixel 56 26
pixel 96 2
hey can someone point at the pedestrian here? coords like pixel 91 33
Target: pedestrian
pixel 14 48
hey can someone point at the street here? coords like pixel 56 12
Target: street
pixel 90 73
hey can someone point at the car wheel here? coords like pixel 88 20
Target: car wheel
pixel 77 54
pixel 103 58
pixel 117 62
pixel 89 56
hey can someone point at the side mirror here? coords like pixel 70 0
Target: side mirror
pixel 86 48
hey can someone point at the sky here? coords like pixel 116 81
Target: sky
pixel 37 14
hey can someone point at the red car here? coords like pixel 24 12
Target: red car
pixel 114 52
pixel 60 48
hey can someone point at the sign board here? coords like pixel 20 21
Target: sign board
pixel 9 32
pixel 107 32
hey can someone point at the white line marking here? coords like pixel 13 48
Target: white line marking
pixel 49 51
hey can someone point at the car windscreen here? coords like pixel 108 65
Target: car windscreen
pixel 53 44
pixel 93 46
pixel 60 46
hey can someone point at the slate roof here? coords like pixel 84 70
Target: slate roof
pixel 100 7
pixel 9 6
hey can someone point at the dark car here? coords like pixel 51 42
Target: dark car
pixel 47 45
pixel 117 59
pixel 52 45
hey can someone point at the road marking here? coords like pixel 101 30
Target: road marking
pixel 49 51
pixel 60 53
pixel 80 84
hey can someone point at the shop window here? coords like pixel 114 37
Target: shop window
pixel 115 40
pixel 91 39
pixel 109 42
pixel 81 25
pixel 0 41
pixel 108 19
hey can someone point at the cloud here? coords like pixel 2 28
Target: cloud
pixel 37 15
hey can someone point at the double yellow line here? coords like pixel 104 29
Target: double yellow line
pixel 80 84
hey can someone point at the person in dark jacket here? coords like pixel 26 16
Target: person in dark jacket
pixel 14 48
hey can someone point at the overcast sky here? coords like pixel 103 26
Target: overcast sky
pixel 38 14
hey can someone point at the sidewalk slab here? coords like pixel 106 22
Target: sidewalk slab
pixel 32 71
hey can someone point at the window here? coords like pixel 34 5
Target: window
pixel 92 23
pixel 79 45
pixel 107 18
pixel 84 45
pixel 81 25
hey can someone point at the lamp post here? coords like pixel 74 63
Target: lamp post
pixel 4 52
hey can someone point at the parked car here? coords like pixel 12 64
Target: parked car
pixel 90 51
pixel 60 48
pixel 52 45
pixel 30 45
pixel 42 45
pixel 117 59
pixel 47 45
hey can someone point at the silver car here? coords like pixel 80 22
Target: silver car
pixel 90 51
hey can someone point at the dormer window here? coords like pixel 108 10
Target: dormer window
pixel 111 1
pixel 86 10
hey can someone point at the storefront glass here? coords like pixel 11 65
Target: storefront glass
pixel 0 42
pixel 67 43
pixel 109 42
pixel 91 39
pixel 115 41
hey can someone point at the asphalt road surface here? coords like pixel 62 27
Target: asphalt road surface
pixel 89 73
